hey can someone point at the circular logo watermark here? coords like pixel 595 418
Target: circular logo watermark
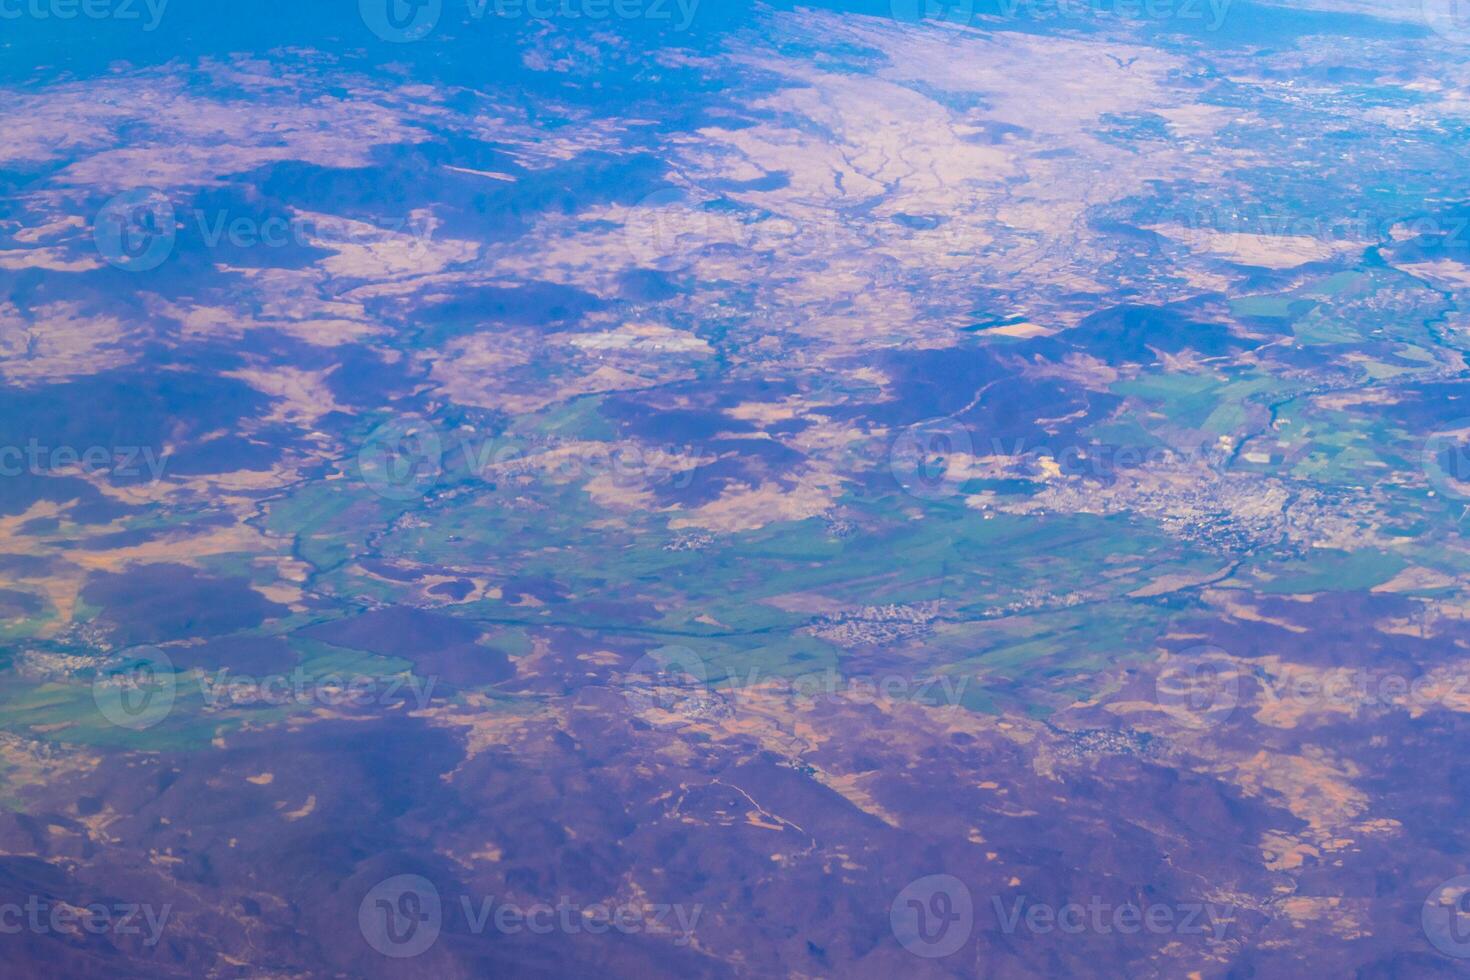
pixel 1446 917
pixel 400 21
pixel 933 916
pixel 402 916
pixel 926 461
pixel 401 459
pixel 1449 19
pixel 135 230
pixel 1445 459
pixel 1203 682
pixel 670 678
pixel 948 11
pixel 135 688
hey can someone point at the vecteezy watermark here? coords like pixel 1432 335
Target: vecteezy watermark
pixel 405 458
pixel 1209 13
pixel 1350 690
pixel 676 679
pixel 1101 916
pixel 226 690
pixel 1262 225
pixel 678 13
pixel 1445 459
pixel 138 230
pixel 1200 684
pixel 400 21
pixel 303 230
pixel 404 915
pixel 564 460
pixel 135 230
pixel 933 916
pixel 402 459
pixel 928 459
pixel 672 678
pixel 1450 19
pixel 135 688
pixel 566 916
pixel 42 916
pixel 947 11
pixel 933 459
pixel 139 687
pixel 1445 917
pixel 943 689
pixel 37 459
pixel 147 12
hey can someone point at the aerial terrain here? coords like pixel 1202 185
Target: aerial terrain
pixel 661 488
